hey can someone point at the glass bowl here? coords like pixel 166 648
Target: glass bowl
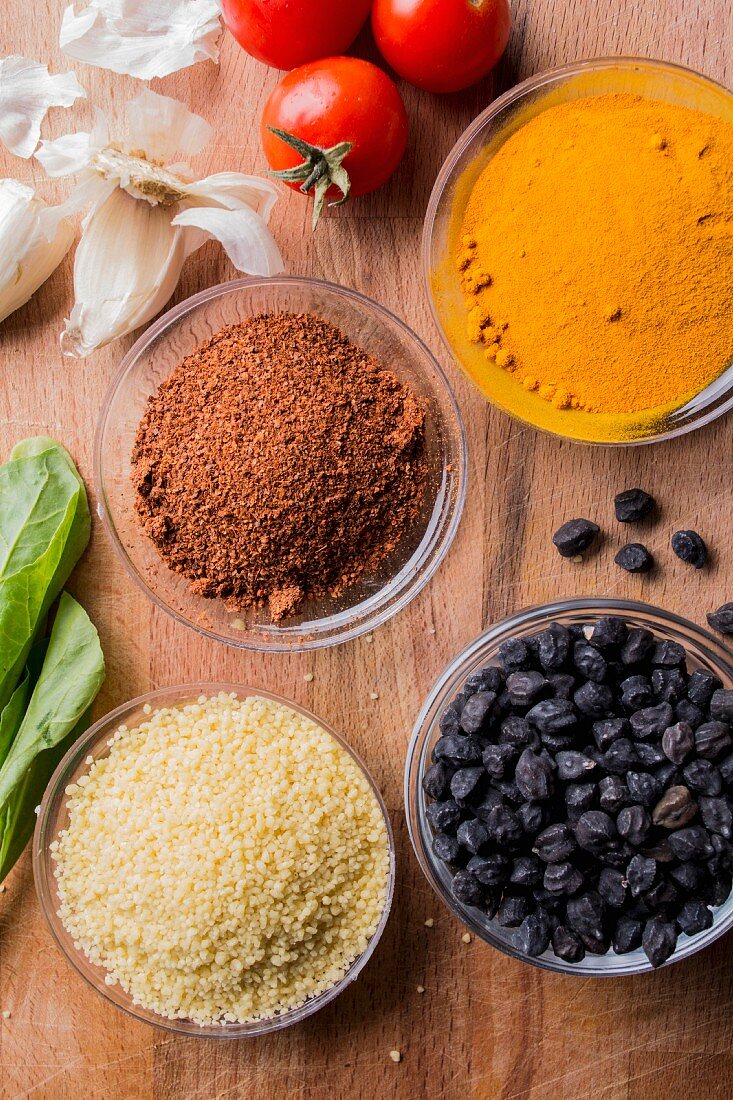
pixel 53 817
pixel 703 650
pixel 378 595
pixel 468 158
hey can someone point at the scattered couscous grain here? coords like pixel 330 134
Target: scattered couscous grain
pixel 421 989
pixel 6 1014
pixel 373 695
pixel 225 862
pixel 466 937
pixel 308 677
pixel 395 1055
pixel 429 922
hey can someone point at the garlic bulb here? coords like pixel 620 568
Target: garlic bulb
pixel 147 215
pixel 33 241
pixel 142 38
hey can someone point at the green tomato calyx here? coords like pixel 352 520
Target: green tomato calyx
pixel 320 168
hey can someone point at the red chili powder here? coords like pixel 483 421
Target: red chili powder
pixel 279 462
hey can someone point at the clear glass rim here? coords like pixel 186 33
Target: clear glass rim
pixel 53 796
pixel 448 683
pixel 508 99
pixel 398 591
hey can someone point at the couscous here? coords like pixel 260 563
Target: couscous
pixel 225 862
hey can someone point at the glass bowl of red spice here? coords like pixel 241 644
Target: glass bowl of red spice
pixel 162 397
pixel 541 346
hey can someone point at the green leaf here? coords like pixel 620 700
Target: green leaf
pixel 12 715
pixel 18 816
pixel 44 528
pixel 72 674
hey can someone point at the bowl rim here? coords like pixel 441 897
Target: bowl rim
pixel 407 582
pixel 53 796
pixel 450 679
pixel 507 99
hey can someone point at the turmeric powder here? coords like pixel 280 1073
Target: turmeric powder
pixel 596 255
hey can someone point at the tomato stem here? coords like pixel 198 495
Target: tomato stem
pixel 319 170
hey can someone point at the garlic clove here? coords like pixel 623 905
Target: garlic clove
pixel 142 38
pixel 90 191
pixel 31 246
pixel 127 265
pixel 249 245
pixel 247 241
pixel 27 91
pixel 233 190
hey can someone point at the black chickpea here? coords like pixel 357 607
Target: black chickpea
pixel 583 792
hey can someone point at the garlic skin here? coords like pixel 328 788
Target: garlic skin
pixel 142 38
pixel 27 90
pixel 33 242
pixel 147 215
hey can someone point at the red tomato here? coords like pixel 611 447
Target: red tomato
pixel 327 103
pixel 286 33
pixel 441 45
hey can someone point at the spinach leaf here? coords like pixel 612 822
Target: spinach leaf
pixel 71 676
pixel 18 816
pixel 44 528
pixel 12 714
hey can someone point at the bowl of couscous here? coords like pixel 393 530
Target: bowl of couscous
pixel 214 860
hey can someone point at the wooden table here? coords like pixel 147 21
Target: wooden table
pixel 485 1026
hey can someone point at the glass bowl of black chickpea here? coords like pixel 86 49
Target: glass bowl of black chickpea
pixel 584 823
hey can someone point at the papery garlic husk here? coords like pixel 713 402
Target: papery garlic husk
pixel 27 91
pixel 142 38
pixel 148 214
pixel 33 242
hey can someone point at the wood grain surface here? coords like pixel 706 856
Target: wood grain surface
pixel 485 1026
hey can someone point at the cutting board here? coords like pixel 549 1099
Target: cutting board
pixel 486 1026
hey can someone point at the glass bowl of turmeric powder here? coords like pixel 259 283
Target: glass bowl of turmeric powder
pixel 578 250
